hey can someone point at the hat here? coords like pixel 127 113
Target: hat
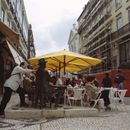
pixel 42 61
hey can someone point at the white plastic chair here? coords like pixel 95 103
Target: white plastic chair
pixel 98 98
pixel 121 94
pixel 116 95
pixel 77 96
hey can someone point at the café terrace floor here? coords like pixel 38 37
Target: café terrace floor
pixel 81 118
pixel 14 111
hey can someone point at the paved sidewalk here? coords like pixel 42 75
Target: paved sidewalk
pixel 113 120
pixel 127 100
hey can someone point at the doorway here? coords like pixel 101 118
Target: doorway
pixel 1 72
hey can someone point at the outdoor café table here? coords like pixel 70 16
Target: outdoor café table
pixel 116 95
pixel 60 90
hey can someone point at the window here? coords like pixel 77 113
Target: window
pixel 114 62
pixel 3 15
pixel 129 15
pixel 8 22
pixel 108 9
pixel 125 52
pixel 119 21
pixel 118 3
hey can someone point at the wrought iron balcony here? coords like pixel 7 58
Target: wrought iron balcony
pixel 125 30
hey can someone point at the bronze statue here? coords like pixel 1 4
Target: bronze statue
pixel 42 83
pixel 45 92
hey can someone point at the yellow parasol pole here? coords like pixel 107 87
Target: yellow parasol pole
pixel 64 64
pixel 59 68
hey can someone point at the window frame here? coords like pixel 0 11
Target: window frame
pixel 118 4
pixel 2 15
pixel 119 17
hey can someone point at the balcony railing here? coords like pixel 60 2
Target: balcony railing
pixel 121 32
pixel 98 24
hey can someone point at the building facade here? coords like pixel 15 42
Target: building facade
pixel 73 41
pixel 16 37
pixel 105 34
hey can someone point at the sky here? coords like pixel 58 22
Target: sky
pixel 52 21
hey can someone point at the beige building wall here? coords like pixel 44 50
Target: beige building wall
pixel 123 10
pixel 99 33
pixel 16 19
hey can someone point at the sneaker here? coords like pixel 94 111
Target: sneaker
pixel 120 101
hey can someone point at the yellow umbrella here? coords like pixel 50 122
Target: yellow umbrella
pixel 66 61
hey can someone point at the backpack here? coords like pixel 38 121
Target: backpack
pixel 119 78
pixel 8 73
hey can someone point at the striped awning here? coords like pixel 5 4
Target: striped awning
pixel 11 35
pixel 17 58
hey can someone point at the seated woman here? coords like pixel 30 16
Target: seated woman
pixel 91 90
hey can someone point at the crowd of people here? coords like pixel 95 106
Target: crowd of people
pixel 42 88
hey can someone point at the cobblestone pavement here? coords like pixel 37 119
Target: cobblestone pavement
pixel 113 120
pixel 21 124
pixel 107 121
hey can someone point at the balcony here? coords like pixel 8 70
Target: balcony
pixel 98 23
pixel 97 44
pixel 97 7
pixel 124 31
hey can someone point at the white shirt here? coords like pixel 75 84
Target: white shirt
pixel 59 82
pixel 16 78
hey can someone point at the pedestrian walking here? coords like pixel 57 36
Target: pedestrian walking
pixel 119 80
pixel 14 83
pixel 107 83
